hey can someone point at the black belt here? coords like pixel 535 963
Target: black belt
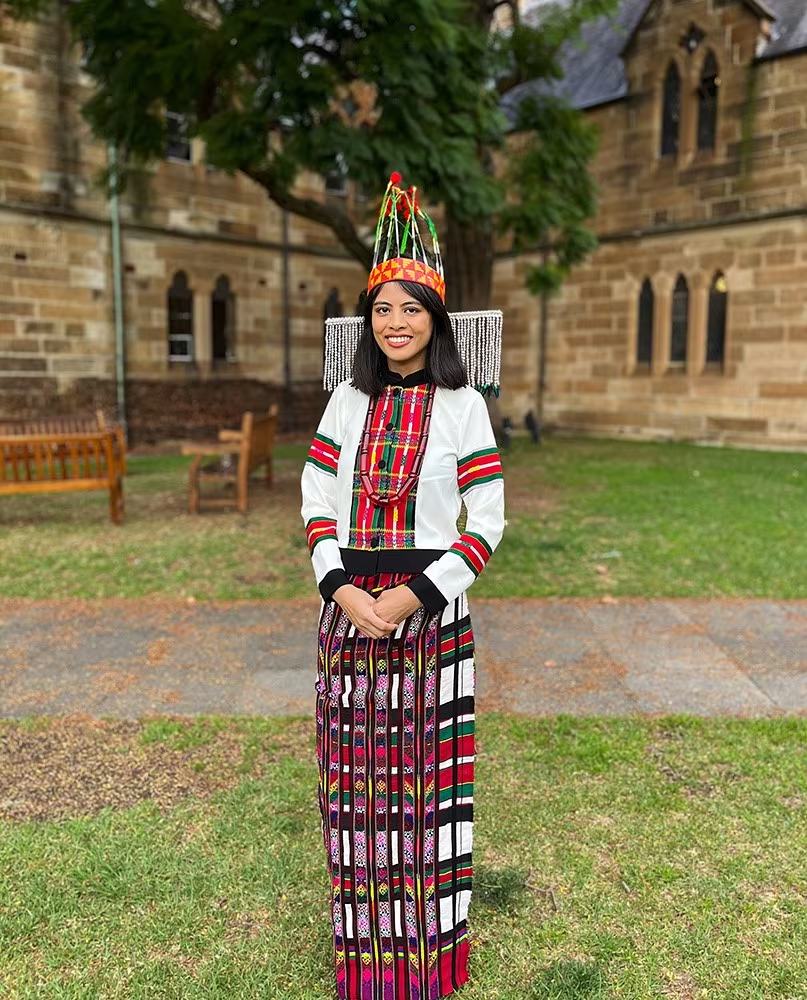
pixel 370 562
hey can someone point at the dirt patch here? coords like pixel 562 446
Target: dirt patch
pixel 682 987
pixel 75 767
pixel 526 499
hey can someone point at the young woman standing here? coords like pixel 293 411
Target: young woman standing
pixel 399 449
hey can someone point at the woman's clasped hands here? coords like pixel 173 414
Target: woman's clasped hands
pixel 376 616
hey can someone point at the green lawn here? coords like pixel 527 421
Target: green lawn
pixel 615 860
pixel 586 518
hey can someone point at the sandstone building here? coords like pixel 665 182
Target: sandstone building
pixel 222 296
pixel 688 322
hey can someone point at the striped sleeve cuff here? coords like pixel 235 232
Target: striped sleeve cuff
pixel 473 550
pixel 318 529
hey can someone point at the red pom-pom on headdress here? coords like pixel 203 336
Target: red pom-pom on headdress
pixel 395 177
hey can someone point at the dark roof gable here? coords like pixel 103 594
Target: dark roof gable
pixel 755 6
pixel 594 72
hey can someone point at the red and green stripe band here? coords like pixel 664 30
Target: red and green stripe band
pixel 324 454
pixel 477 468
pixel 473 550
pixel 318 529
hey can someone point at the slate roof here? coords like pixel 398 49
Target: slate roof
pixel 789 30
pixel 594 72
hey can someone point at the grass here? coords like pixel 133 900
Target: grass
pixel 585 518
pixel 615 860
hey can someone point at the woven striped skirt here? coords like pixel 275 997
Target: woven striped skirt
pixel 395 744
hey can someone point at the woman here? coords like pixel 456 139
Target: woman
pixel 397 450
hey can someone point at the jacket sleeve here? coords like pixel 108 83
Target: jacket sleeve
pixel 320 505
pixel 479 476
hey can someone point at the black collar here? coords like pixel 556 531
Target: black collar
pixel 407 381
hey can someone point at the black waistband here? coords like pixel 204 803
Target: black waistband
pixel 368 562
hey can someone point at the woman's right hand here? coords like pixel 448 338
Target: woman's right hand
pixel 359 606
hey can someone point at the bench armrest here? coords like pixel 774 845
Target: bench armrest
pixel 235 436
pixel 207 448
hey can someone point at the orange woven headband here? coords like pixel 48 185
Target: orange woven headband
pixel 404 269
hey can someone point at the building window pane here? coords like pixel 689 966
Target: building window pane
pixel 336 184
pixel 679 321
pixel 180 319
pixel 716 329
pixel 222 316
pixel 177 138
pixel 671 114
pixel 644 334
pixel 336 179
pixel 707 103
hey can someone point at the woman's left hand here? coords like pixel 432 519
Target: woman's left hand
pixel 396 604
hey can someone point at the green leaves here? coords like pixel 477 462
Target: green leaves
pixel 280 89
pixel 553 195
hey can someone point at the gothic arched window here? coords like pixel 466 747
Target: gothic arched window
pixel 671 111
pixel 644 332
pixel 222 320
pixel 707 103
pixel 716 323
pixel 180 319
pixel 679 321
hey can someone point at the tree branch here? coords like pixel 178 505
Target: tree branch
pixel 337 221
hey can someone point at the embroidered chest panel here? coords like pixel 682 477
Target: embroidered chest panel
pixel 395 434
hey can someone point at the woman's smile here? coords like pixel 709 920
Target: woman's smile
pixel 402 328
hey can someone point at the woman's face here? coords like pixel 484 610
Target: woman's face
pixel 402 328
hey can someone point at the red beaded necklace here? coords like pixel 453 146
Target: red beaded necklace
pixel 393 499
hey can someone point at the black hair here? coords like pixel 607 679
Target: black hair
pixel 444 365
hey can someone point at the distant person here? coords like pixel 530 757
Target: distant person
pixel 398 448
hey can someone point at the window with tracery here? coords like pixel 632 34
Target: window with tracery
pixel 707 103
pixel 679 321
pixel 644 332
pixel 716 320
pixel 180 319
pixel 671 111
pixel 222 320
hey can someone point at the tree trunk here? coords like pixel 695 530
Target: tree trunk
pixel 468 264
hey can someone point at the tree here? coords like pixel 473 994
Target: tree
pixel 357 86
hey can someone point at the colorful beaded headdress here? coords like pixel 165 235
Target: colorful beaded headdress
pixel 400 252
pixel 407 249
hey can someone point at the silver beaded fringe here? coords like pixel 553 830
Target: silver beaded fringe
pixel 478 336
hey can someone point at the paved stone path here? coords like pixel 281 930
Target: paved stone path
pixel 127 659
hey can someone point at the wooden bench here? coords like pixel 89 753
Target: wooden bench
pixel 234 457
pixel 65 425
pixel 60 462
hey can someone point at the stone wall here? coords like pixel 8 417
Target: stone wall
pixel 57 322
pixel 739 211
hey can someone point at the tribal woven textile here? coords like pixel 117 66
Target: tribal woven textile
pixel 395 426
pixel 395 745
